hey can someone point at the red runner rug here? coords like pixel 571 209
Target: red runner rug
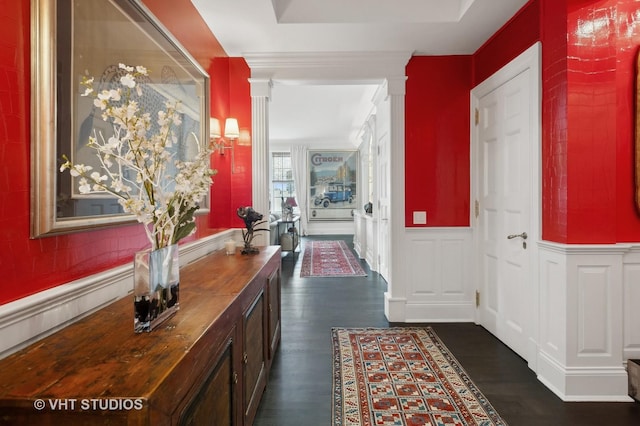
pixel 402 376
pixel 329 259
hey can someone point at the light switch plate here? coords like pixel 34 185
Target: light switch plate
pixel 419 218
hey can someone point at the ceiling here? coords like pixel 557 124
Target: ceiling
pixel 328 113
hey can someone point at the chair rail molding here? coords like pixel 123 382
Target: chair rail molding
pixel 34 317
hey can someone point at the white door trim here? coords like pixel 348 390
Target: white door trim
pixel 530 59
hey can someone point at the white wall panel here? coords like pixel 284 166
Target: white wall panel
pixel 631 291
pixel 360 234
pixel 594 324
pixel 454 268
pixel 581 321
pixel 422 261
pixel 438 283
pixel 552 304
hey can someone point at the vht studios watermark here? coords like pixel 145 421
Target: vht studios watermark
pixel 88 404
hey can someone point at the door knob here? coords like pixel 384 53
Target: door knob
pixel 523 236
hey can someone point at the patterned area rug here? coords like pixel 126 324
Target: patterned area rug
pixel 402 376
pixel 330 259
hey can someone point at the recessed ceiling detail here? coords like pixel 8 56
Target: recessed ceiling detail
pixel 425 27
pixel 368 11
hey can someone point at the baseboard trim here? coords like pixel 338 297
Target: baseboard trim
pixel 34 317
pixel 575 384
pixel 440 312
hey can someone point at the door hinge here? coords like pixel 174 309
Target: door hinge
pixel 477 299
pixel 476 208
pixel 477 116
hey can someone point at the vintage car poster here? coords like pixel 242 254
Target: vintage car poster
pixel 333 192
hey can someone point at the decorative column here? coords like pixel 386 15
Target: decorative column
pixel 260 96
pixel 395 298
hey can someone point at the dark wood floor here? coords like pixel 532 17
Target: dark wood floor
pixel 299 392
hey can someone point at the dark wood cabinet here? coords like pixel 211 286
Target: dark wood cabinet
pixel 214 404
pixel 254 356
pixel 273 312
pixel 208 365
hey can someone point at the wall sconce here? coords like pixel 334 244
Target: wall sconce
pixel 231 132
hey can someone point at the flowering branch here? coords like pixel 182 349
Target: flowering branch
pixel 134 165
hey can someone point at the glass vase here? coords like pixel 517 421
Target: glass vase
pixel 156 287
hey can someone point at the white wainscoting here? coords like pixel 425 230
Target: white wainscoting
pixel 589 298
pixel 434 283
pixel 359 235
pixel 329 227
pixel 31 318
pixel 631 308
pixel 371 251
pixel 589 305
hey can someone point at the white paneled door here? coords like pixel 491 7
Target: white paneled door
pixel 504 190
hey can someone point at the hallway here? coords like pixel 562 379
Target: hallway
pixel 299 391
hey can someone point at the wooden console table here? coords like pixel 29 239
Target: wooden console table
pixel 207 365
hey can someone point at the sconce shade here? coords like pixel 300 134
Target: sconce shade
pixel 231 129
pixel 214 128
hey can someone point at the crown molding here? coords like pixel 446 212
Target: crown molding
pixel 310 67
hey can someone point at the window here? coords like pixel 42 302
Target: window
pixel 282 185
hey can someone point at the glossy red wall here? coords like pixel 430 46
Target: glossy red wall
pixel 589 51
pixel 232 185
pixel 28 266
pixel 588 121
pixel 437 127
pixel 437 139
pixel 627 217
pixel 554 121
pixel 517 35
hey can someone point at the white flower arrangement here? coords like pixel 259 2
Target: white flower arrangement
pixel 135 165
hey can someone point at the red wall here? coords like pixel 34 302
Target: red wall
pixel 28 266
pixel 591 124
pixel 628 24
pixel 588 119
pixel 554 122
pixel 516 36
pixel 230 82
pixel 587 135
pixel 437 139
pixel 437 131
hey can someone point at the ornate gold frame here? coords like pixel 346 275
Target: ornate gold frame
pixel 45 101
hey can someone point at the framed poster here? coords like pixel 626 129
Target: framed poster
pixel 72 39
pixel 333 190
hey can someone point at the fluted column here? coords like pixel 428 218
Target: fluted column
pixel 260 96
